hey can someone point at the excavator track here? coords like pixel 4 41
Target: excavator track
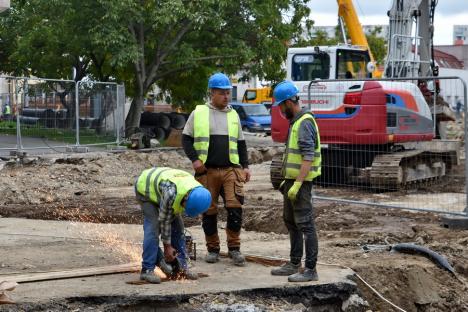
pixel 402 169
pixel 275 170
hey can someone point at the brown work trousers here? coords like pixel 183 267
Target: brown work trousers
pixel 229 183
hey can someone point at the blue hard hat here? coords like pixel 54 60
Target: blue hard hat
pixel 198 201
pixel 283 91
pixel 219 81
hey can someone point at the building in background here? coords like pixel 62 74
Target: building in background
pixel 460 34
pixel 330 30
pixel 451 63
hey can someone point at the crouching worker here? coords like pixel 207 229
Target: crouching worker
pixel 164 195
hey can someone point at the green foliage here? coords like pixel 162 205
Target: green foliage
pixel 176 44
pixel 377 44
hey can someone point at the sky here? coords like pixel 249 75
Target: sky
pixel 370 12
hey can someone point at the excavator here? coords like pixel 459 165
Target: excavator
pixel 378 133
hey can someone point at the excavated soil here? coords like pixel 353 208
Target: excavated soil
pixel 98 188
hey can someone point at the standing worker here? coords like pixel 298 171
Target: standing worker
pixel 213 140
pixel 164 195
pixel 458 107
pixel 301 164
pixel 7 112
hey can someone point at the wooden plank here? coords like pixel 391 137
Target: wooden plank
pixel 73 273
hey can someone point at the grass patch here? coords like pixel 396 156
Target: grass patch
pixel 87 136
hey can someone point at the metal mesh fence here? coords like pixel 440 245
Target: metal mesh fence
pixel 43 115
pixel 99 117
pixel 392 143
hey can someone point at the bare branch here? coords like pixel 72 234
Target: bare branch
pixel 207 58
pixel 175 70
pixel 161 55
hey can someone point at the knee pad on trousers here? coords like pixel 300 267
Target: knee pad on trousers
pixel 209 223
pixel 234 219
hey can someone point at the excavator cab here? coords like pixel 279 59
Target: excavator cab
pixel 336 62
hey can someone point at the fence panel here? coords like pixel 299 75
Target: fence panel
pixel 46 115
pixel 392 143
pixel 100 113
pixel 43 111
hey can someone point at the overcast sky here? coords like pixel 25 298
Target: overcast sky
pixel 448 13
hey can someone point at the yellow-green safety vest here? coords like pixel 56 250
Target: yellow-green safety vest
pixel 148 184
pixel 7 110
pixel 201 131
pixel 292 160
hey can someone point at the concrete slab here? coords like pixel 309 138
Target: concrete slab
pixel 28 246
pixel 455 222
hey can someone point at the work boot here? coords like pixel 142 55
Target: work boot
pixel 190 275
pixel 306 276
pixel 237 258
pixel 165 267
pixel 286 269
pixel 212 257
pixel 149 276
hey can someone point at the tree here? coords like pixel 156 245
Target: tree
pixel 377 44
pixel 53 39
pixel 174 42
pixel 171 43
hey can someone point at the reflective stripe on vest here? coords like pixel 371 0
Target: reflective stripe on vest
pixel 293 159
pixel 201 130
pixel 149 179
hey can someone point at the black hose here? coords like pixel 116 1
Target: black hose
pixel 432 255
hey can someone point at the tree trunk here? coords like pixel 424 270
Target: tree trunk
pixel 132 122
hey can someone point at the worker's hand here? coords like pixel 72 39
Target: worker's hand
pixel 199 167
pixel 169 253
pixel 292 193
pixel 247 174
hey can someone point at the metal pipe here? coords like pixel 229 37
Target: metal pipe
pixel 77 112
pixel 417 39
pixel 343 30
pixel 349 201
pixel 465 106
pixel 19 144
pixel 434 101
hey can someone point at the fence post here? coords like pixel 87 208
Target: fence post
pixel 19 143
pixel 465 118
pixel 77 112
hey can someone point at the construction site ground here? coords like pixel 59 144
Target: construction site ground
pixel 95 221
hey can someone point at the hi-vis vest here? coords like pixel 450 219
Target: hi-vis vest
pixel 293 159
pixel 7 110
pixel 201 130
pixel 148 184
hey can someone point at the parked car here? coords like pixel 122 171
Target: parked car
pixel 254 117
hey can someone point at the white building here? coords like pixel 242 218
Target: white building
pixel 330 30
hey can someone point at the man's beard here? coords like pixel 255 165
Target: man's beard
pixel 288 113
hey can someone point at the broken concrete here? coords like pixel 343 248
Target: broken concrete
pixel 29 246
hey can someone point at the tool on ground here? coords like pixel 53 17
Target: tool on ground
pixel 190 246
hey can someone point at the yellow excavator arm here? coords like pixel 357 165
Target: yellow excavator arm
pixel 348 13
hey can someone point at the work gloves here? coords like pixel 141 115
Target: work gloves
pixel 292 193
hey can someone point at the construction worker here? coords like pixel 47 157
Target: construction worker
pixel 213 140
pixel 164 195
pixel 7 112
pixel 301 164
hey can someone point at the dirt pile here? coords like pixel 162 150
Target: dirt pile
pixel 98 188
